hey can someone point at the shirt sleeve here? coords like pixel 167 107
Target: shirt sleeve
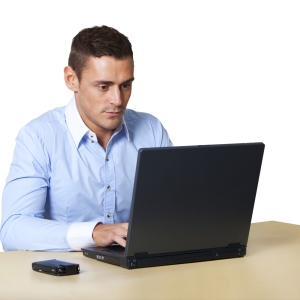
pixel 24 197
pixel 161 135
pixel 80 235
pixel 165 141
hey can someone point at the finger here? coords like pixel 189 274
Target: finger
pixel 120 231
pixel 119 240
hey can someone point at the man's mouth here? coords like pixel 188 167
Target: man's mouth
pixel 113 113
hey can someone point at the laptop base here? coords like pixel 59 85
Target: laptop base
pixel 142 260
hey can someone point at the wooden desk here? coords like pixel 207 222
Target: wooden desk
pixel 270 270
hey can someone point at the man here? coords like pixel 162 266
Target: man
pixel 70 183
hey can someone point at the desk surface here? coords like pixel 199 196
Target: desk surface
pixel 270 270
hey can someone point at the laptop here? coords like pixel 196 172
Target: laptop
pixel 189 204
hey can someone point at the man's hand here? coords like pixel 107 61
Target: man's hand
pixel 107 234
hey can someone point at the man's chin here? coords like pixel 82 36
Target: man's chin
pixel 112 125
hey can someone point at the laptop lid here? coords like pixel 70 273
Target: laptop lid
pixel 193 197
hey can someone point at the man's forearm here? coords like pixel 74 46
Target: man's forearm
pixel 31 233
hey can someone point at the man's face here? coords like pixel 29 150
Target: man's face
pixel 103 92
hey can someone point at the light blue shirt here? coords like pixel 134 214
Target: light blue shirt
pixel 60 176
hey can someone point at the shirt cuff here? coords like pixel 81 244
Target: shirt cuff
pixel 80 235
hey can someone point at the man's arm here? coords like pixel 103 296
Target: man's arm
pixel 24 198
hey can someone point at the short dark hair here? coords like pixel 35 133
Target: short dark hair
pixel 96 42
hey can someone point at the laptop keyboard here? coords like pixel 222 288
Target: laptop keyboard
pixel 114 248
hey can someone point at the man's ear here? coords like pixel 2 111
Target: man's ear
pixel 71 79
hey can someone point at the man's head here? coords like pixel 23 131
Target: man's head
pixel 100 73
pixel 97 42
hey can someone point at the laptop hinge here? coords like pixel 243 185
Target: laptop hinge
pixel 234 245
pixel 141 254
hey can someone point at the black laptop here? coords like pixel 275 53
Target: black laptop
pixel 189 204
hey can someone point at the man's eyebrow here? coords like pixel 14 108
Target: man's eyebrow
pixel 129 80
pixel 97 82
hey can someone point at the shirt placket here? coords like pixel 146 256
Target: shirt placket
pixel 110 190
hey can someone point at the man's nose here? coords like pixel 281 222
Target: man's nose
pixel 116 96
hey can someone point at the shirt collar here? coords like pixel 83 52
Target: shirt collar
pixel 77 127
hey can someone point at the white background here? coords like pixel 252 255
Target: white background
pixel 211 71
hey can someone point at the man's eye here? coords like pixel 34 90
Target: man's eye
pixel 126 86
pixel 103 87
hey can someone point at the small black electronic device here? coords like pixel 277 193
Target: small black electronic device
pixel 56 267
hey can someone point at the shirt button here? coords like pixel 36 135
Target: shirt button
pixel 92 141
pixel 108 215
pixel 108 187
pixel 107 159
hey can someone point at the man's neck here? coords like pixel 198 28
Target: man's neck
pixel 104 137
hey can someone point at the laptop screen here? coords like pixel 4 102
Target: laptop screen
pixel 193 197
